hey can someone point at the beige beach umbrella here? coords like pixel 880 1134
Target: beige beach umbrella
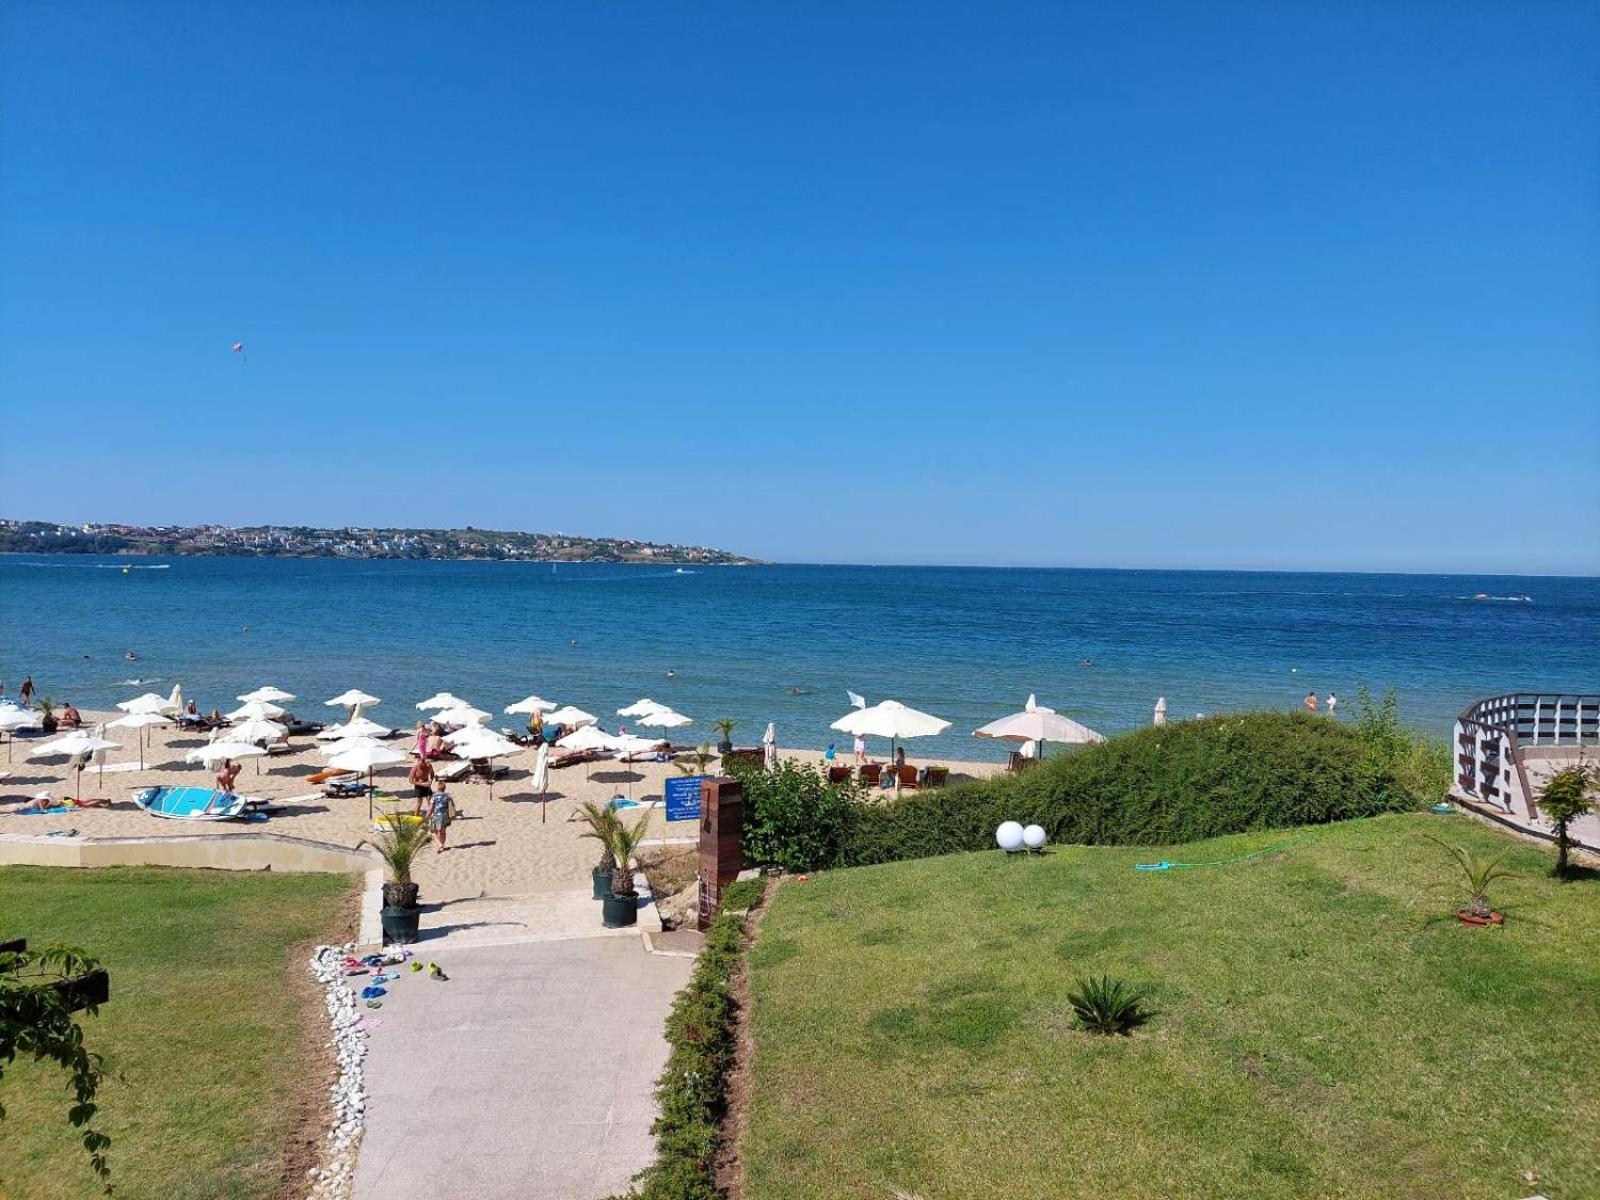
pixel 147 703
pixel 359 727
pixel 769 747
pixel 587 737
pixel 665 718
pixel 365 755
pixel 461 714
pixel 540 779
pixel 140 721
pixel 214 752
pixel 1038 724
pixel 892 720
pixel 78 745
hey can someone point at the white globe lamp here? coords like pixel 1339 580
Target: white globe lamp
pixel 1033 837
pixel 1009 837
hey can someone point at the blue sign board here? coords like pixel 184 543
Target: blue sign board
pixel 683 798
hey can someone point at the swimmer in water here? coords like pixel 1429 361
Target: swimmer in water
pixel 1088 663
pixel 131 656
pixel 670 673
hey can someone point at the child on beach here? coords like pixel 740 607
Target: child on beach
pixel 440 808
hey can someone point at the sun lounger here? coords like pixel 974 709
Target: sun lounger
pixel 452 770
pixel 908 777
pixel 838 774
pixel 936 777
pixel 573 757
pixel 870 772
pixel 328 775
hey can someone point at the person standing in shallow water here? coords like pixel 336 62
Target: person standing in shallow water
pixel 1311 702
pixel 1333 704
pixel 26 691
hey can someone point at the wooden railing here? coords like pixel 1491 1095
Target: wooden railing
pixel 1493 738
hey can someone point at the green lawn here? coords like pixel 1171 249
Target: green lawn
pixel 1325 1027
pixel 205 1029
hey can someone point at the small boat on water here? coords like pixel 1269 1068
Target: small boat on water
pixel 192 803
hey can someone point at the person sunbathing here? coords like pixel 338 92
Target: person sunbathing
pixel 69 717
pixel 42 803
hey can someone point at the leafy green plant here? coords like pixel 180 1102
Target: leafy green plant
pixel 743 894
pixel 1567 795
pixel 37 1020
pixel 1480 870
pixel 1412 763
pixel 725 727
pixel 603 823
pixel 46 705
pixel 794 818
pixel 399 844
pixel 1108 1006
pixel 699 759
pixel 625 843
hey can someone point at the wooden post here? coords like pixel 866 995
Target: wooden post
pixel 721 842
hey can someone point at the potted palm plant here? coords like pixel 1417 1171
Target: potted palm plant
pixel 724 727
pixel 1480 872
pixel 621 907
pixel 603 822
pixel 47 722
pixel 399 841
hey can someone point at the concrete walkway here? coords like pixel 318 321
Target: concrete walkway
pixel 527 1075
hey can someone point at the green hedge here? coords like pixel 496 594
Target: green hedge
pixel 1176 783
pixel 692 1091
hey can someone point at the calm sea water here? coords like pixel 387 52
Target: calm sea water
pixel 783 643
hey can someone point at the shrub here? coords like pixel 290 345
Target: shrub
pixel 742 895
pixel 793 817
pixel 1160 785
pixel 692 1092
pixel 1419 766
pixel 1567 795
pixel 1108 1006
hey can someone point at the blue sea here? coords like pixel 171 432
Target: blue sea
pixel 783 643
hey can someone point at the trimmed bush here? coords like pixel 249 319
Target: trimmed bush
pixel 1162 785
pixel 742 895
pixel 793 817
pixel 693 1090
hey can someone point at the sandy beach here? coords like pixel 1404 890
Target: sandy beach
pixel 514 844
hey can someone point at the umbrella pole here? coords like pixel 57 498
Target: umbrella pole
pixel 369 795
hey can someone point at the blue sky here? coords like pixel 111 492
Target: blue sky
pixel 1191 285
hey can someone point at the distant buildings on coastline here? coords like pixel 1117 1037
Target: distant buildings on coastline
pixel 301 541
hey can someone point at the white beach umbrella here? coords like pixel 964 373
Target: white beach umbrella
pixel 365 755
pixel 214 752
pixel 13 719
pixel 461 714
pixel 140 721
pixel 441 700
pixel 569 716
pixel 487 744
pixel 531 705
pixel 257 729
pixel 1161 711
pixel 890 719
pixel 769 747
pixel 468 733
pixel 269 694
pixel 257 710
pixel 665 718
pixel 79 744
pixel 640 707
pixel 352 698
pixel 359 727
pixel 334 749
pixel 174 704
pixel 147 703
pixel 588 737
pixel 540 779
pixel 1038 724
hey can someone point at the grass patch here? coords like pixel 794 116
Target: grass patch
pixel 204 1036
pixel 1323 1026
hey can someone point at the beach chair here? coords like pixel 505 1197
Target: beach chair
pixel 936 777
pixel 908 777
pixel 838 774
pixel 870 773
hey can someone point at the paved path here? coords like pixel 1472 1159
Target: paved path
pixel 527 1075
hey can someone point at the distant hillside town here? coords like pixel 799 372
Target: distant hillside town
pixel 301 541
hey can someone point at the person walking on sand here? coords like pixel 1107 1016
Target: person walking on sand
pixel 26 691
pixel 1311 702
pixel 861 750
pixel 422 781
pixel 439 809
pixel 1333 704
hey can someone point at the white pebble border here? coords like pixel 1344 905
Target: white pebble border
pixel 335 1178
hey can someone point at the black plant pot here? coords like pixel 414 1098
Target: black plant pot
pixel 400 895
pixel 399 925
pixel 48 723
pixel 620 911
pixel 602 883
pixel 725 745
